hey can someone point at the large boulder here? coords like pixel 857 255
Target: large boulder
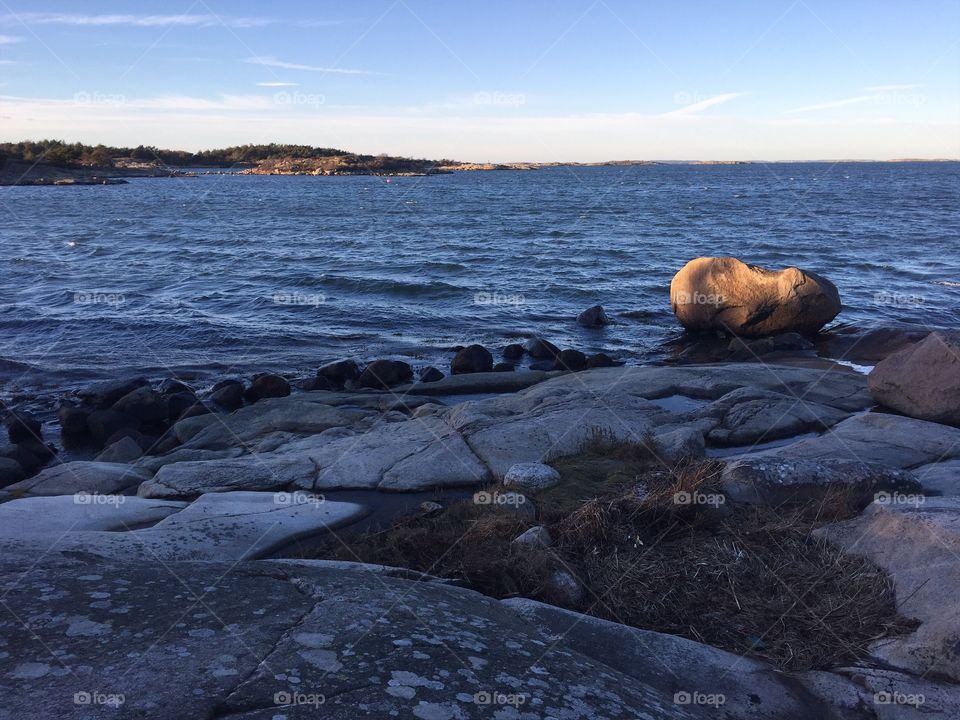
pixel 23 427
pixel 104 394
pixel 384 374
pixel 143 404
pixel 339 372
pixel 227 394
pixel 267 385
pixel 540 349
pixel 472 359
pixel 726 294
pixel 922 380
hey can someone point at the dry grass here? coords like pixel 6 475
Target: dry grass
pixel 747 579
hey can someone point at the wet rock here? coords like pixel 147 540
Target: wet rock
pixel 544 365
pixel 472 359
pixel 143 405
pixel 504 367
pixel 22 427
pixel 531 476
pixel 312 384
pixel 172 386
pixel 573 360
pixel 104 423
pixel 227 394
pixel 601 360
pixel 73 423
pixel 267 385
pixel 10 472
pixel 537 536
pixel 783 344
pixel 104 394
pixel 726 294
pixel 593 317
pixel 178 403
pixel 23 455
pixel 922 380
pixel 340 372
pixel 431 374
pixel 384 374
pixel 124 450
pixel 188 427
pixel 867 345
pixel 771 481
pixel 513 351
pixel 540 349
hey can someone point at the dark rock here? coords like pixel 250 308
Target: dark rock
pixel 178 403
pixel 22 455
pixel 172 386
pixel 124 450
pixel 787 343
pixel 166 443
pixel 144 404
pixel 544 365
pixel 73 423
pixel 339 372
pixel 601 360
pixel 23 426
pixel 593 317
pixel 228 394
pixel 10 472
pixel 43 452
pixel 572 360
pixel 514 351
pixel 267 385
pixel 382 374
pixel 430 374
pixel 540 349
pixel 318 382
pixel 472 359
pixel 104 423
pixel 456 348
pixel 144 442
pixel 867 346
pixel 104 394
pixel 504 367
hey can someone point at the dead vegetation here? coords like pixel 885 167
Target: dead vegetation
pixel 657 547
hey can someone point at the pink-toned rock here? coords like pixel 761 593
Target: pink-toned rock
pixel 922 380
pixel 726 294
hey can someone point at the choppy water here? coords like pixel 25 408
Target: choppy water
pixel 231 274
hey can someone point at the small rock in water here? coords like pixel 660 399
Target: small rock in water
pixel 267 385
pixel 504 367
pixel 593 317
pixel 540 349
pixel 572 360
pixel 172 386
pixel 531 476
pixel 317 382
pixel 601 360
pixel 339 372
pixel 228 394
pixel 143 404
pixel 537 535
pixel 513 351
pixel 430 508
pixel 104 394
pixel 743 349
pixel 23 427
pixel 430 374
pixel 383 374
pixel 73 422
pixel 472 359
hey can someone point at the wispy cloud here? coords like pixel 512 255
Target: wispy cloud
pixel 277 84
pixel 76 19
pixel 709 102
pixel 856 100
pixel 889 88
pixel 9 39
pixel 270 61
pixel 878 94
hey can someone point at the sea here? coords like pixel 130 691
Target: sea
pixel 224 275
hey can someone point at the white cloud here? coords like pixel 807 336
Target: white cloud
pixel 277 84
pixel 9 39
pixel 75 19
pixel 270 61
pixel 696 107
pixel 857 100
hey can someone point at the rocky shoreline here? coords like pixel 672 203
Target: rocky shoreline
pixel 119 571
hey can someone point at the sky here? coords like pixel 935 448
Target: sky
pixel 491 80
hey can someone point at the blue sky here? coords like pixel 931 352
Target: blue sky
pixel 520 80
